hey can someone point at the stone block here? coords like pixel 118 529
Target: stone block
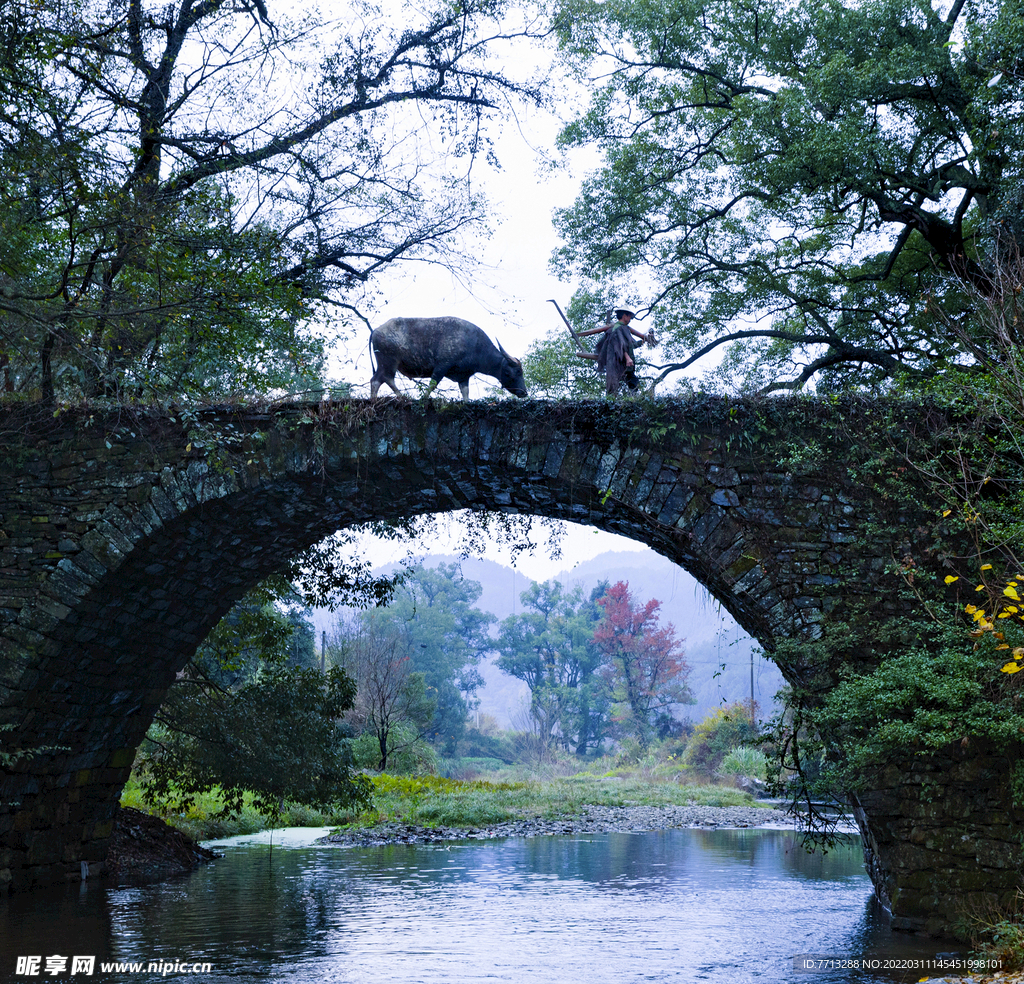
pixel 122 758
pixel 45 847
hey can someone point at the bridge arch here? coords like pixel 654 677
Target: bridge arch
pixel 125 538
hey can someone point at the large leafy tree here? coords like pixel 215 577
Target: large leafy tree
pixel 245 717
pixel 808 181
pixel 550 647
pixel 434 616
pixel 277 737
pixel 187 187
pixel 643 661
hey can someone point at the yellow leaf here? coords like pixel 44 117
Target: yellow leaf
pixel 1018 652
pixel 1013 667
pixel 999 636
pixel 1005 614
pixel 950 579
pixel 980 587
pixel 970 609
pixel 1011 592
pixel 986 567
pixel 946 513
pixel 188 447
pixel 1002 645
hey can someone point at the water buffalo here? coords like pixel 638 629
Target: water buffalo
pixel 441 348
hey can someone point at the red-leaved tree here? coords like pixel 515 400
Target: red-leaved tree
pixel 645 662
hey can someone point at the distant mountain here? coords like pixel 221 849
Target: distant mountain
pixel 719 652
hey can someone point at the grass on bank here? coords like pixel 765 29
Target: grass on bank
pixel 435 801
pixel 206 821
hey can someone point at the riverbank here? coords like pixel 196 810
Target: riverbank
pixel 145 848
pixel 436 802
pixel 589 820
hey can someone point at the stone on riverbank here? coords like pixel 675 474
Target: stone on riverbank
pixel 591 820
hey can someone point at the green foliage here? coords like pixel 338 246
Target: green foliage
pixel 276 737
pixel 476 746
pixel 745 761
pixel 254 631
pixel 253 718
pixel 394 704
pixel 407 752
pixel 921 700
pixel 1017 784
pixel 996 934
pixel 803 185
pixel 1006 945
pixel 301 646
pixel 176 219
pixel 325 577
pixel 550 647
pixel 717 735
pixel 206 818
pixel 437 626
pixel 553 371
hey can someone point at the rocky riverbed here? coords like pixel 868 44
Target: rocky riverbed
pixel 590 820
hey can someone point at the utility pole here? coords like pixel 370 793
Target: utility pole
pixel 752 721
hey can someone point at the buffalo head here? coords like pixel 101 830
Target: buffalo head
pixel 511 374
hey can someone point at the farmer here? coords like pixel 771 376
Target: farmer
pixel 615 351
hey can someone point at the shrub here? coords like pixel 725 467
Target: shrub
pixel 717 735
pixel 745 761
pixel 406 752
pixel 477 745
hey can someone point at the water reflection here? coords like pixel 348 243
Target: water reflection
pixel 711 905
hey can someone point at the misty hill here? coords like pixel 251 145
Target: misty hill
pixel 718 651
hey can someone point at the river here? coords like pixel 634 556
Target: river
pixel 728 906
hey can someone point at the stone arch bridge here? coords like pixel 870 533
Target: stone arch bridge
pixel 125 536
